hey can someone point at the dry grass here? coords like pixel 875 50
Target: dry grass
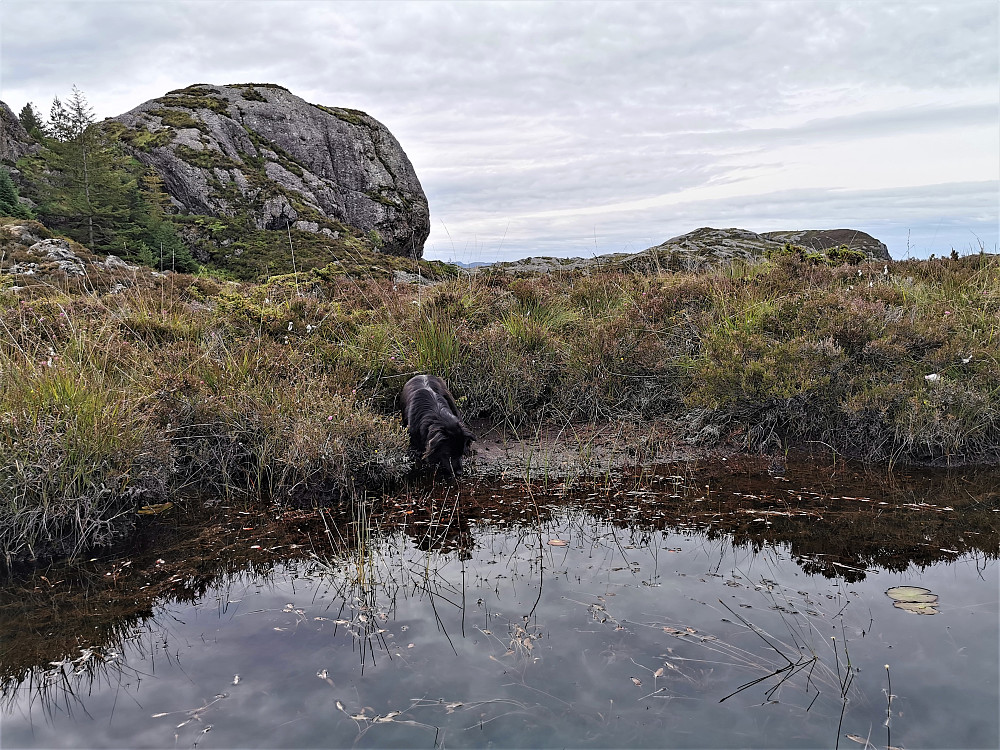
pixel 121 387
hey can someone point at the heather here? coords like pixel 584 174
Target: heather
pixel 121 389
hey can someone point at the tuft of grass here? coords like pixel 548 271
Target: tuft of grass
pixel 78 457
pixel 436 344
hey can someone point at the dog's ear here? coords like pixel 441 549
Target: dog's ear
pixel 435 437
pixel 469 439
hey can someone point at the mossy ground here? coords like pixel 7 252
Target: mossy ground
pixel 121 388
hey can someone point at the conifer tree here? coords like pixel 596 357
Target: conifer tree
pixel 9 203
pixel 92 190
pixel 58 120
pixel 90 186
pixel 149 234
pixel 31 121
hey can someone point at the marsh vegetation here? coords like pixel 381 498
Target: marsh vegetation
pixel 122 388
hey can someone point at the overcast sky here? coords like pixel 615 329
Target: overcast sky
pixel 582 128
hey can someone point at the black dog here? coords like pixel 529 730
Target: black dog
pixel 437 433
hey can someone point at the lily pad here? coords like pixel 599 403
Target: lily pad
pixel 913 599
pixel 917 608
pixel 924 598
pixel 910 594
pixel 558 542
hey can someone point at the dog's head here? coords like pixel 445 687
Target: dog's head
pixel 448 444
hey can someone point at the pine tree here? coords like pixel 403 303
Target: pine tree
pixel 140 253
pixel 94 192
pixel 90 186
pixel 58 120
pixel 31 121
pixel 148 227
pixel 9 203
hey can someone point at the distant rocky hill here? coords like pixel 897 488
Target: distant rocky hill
pixel 824 239
pixel 261 151
pixel 707 246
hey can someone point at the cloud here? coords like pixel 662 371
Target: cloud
pixel 512 111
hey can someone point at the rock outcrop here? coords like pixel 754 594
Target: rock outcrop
pixel 60 253
pixel 31 256
pixel 706 247
pixel 260 151
pixel 14 139
pixel 824 239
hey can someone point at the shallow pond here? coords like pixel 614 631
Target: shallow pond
pixel 653 610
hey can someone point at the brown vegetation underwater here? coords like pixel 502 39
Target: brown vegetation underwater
pixel 122 388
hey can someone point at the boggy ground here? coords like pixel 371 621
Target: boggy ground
pixel 121 388
pixel 547 452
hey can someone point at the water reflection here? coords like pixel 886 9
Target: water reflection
pixel 696 608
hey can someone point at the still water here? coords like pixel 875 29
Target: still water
pixel 652 611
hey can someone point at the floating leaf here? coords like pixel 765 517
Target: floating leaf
pixel 921 598
pixel 908 593
pixel 917 608
pixel 558 542
pixel 658 672
pixel 636 681
pixel 913 599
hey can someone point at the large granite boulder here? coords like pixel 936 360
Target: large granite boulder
pixel 261 151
